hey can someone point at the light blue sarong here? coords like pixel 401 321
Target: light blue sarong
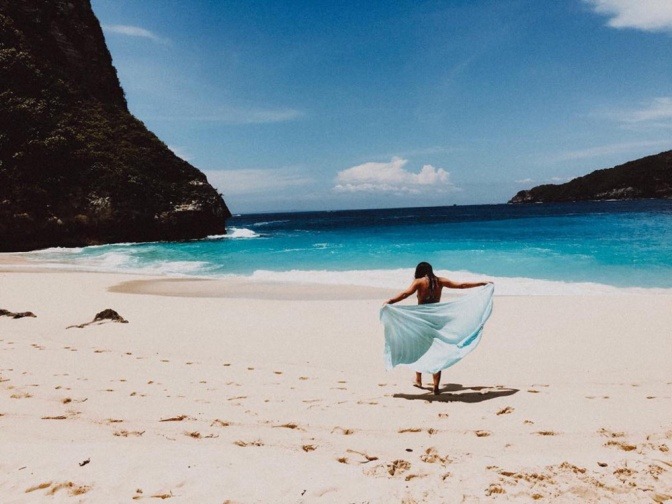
pixel 432 337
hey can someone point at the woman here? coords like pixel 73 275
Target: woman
pixel 428 288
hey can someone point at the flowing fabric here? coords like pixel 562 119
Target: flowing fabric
pixel 432 337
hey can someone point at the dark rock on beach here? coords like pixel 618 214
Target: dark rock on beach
pixel 649 177
pixel 7 313
pixel 76 168
pixel 107 315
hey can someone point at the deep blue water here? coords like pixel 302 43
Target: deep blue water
pixel 623 243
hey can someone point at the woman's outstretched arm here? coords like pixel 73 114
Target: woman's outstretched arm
pixel 460 285
pixel 404 294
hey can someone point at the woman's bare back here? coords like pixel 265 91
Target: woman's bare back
pixel 428 293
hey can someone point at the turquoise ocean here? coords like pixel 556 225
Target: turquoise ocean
pixel 587 247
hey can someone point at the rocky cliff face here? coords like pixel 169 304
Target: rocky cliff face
pixel 649 177
pixel 76 168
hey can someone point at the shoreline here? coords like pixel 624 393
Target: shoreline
pixel 325 284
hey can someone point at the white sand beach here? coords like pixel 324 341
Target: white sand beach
pixel 230 391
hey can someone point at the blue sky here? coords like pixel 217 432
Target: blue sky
pixel 317 105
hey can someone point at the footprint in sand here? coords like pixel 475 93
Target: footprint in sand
pixel 20 395
pixel 257 442
pixel 198 435
pixel 546 433
pixel 289 425
pixel 308 448
pixel 367 458
pixel 409 477
pixel 610 434
pixel 482 433
pixel 178 418
pixel 72 488
pixel 345 432
pixel 125 433
pixel 506 411
pixel 398 467
pixel 409 429
pixel 494 489
pixel 431 456
pixel 621 445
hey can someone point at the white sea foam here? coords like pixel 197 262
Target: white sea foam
pixel 235 233
pixel 266 223
pixel 118 261
pixel 398 279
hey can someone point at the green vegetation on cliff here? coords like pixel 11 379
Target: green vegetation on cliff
pixel 649 177
pixel 76 168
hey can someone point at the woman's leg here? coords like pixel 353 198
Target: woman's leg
pixel 436 377
pixel 418 379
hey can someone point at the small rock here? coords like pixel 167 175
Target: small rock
pixel 7 313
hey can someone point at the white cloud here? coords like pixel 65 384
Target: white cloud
pixel 657 112
pixel 134 31
pixel 524 181
pixel 392 177
pixel 646 15
pixel 256 180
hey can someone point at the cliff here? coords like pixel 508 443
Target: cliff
pixel 649 177
pixel 76 168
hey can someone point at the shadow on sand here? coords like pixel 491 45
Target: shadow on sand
pixel 454 392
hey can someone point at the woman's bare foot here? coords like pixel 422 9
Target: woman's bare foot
pixel 436 390
pixel 417 384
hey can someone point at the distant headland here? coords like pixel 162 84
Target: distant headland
pixel 648 177
pixel 76 168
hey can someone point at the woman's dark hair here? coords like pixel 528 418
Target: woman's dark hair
pixel 424 269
